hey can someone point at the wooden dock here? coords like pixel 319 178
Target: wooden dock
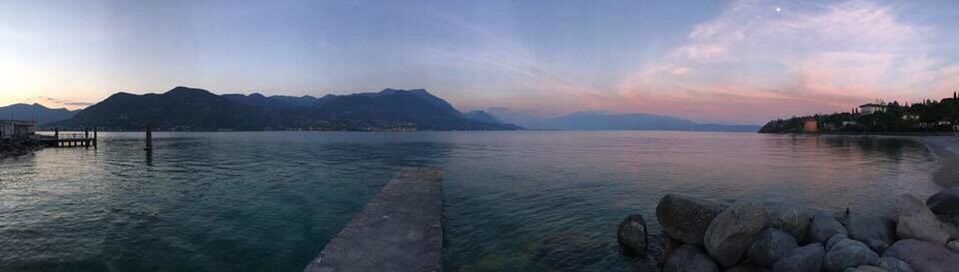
pixel 58 139
pixel 399 230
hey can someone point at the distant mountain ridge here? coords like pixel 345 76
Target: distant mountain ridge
pixel 35 112
pixel 604 120
pixel 184 108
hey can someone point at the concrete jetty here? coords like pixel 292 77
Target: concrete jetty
pixel 399 230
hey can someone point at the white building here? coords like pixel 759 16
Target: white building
pixel 871 108
pixel 17 129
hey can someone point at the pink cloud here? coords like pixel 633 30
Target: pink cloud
pixel 753 64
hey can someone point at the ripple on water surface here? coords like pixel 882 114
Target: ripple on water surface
pixel 518 201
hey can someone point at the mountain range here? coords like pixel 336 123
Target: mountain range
pixel 191 109
pixel 35 112
pixel 602 120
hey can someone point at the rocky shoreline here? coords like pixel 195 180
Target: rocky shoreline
pixel 946 150
pixel 702 235
pixel 16 148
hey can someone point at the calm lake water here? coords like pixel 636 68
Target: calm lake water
pixel 516 201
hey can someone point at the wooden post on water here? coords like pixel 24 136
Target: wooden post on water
pixel 86 137
pixel 94 137
pixel 149 146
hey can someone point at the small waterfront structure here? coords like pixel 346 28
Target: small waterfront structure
pixel 871 108
pixel 68 139
pixel 17 129
pixel 810 125
pixel 399 230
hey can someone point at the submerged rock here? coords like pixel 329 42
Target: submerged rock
pixel 848 253
pixel 806 258
pixel 823 227
pixel 690 258
pixel 632 236
pixel 770 245
pixel 924 256
pixel 686 218
pixel 893 265
pixel 916 221
pixel 878 232
pixel 792 220
pixel 733 231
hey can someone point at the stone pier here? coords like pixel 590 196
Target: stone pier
pixel 399 230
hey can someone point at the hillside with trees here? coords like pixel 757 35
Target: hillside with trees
pixel 928 116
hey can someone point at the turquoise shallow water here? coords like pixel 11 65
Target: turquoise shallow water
pixel 517 201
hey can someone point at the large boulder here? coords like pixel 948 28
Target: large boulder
pixel 631 235
pixel 792 220
pixel 806 258
pixel 878 232
pixel 690 258
pixel 823 227
pixel 770 245
pixel 686 218
pixel 916 221
pixel 945 205
pixel 848 253
pixel 733 231
pixel 893 265
pixel 924 256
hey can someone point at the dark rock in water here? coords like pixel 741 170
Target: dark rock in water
pixel 792 220
pixel 770 245
pixel 848 253
pixel 823 227
pixel 733 231
pixel 945 205
pixel 878 232
pixel 916 221
pixel 924 256
pixel 807 258
pixel 690 258
pixel 893 265
pixel 686 218
pixel 631 235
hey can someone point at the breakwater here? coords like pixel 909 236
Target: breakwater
pixel 703 235
pixel 399 230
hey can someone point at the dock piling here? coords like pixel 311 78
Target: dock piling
pixel 149 139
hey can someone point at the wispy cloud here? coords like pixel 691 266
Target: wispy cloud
pixel 762 62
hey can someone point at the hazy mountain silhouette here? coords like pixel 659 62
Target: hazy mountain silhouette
pixel 35 112
pixel 185 108
pixel 602 120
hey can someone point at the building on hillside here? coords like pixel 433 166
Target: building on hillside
pixel 10 129
pixel 810 125
pixel 871 108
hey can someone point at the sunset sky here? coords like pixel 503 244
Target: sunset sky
pixel 711 61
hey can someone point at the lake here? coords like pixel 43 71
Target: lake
pixel 515 201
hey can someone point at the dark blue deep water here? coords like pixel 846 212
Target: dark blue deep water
pixel 516 201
